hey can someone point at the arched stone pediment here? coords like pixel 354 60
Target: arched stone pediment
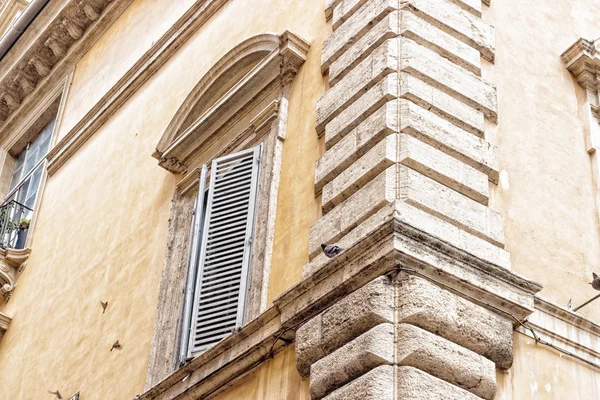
pixel 253 72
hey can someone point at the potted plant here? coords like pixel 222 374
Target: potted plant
pixel 23 228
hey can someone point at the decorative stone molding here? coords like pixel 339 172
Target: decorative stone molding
pixel 23 73
pixel 4 323
pixel 566 330
pixel 12 264
pixel 241 102
pixel 9 11
pixel 45 54
pixel 266 58
pixel 583 61
pixel 198 13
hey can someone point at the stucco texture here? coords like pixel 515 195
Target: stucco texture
pixel 546 192
pixel 541 373
pixel 101 232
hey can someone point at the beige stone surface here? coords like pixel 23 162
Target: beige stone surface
pixel 377 384
pixel 443 168
pixel 381 123
pixel 445 360
pixel 366 352
pixel 435 130
pixel 354 315
pixel 445 314
pixel 383 155
pixel 414 384
pixel 449 205
pixel 355 209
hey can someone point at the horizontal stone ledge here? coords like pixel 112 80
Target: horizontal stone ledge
pixel 344 10
pixel 442 104
pixel 447 137
pixel 358 356
pixel 355 314
pixel 416 28
pixel 443 168
pixel 436 310
pixel 385 29
pixel 445 360
pixel 451 234
pixel 457 22
pixel 381 62
pixel 415 384
pixel 354 210
pixel 383 155
pixel 355 144
pixel 449 205
pixel 452 79
pixel 354 28
pixel 475 7
pixel 377 384
pixel 361 109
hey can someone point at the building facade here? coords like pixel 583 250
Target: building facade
pixel 170 170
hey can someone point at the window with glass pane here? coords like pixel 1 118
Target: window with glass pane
pixel 17 210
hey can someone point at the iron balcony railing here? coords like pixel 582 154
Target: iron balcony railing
pixel 14 224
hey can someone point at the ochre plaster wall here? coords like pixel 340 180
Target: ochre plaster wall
pixel 275 379
pixel 540 373
pixel 546 191
pixel 102 227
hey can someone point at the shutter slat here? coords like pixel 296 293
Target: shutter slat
pixel 225 251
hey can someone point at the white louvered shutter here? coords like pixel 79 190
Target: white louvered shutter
pixel 226 246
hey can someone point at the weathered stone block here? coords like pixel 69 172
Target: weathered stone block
pixel 383 61
pixel 414 384
pixel 354 210
pixel 472 6
pixel 355 314
pixel 441 103
pixel 386 29
pixel 451 206
pixel 443 168
pixel 443 74
pixel 422 32
pixel 449 234
pixel 354 28
pixel 374 128
pixel 344 10
pixel 377 384
pixel 445 360
pixel 366 352
pixel 457 22
pixel 423 304
pixel 361 109
pixel 381 156
pixel 449 138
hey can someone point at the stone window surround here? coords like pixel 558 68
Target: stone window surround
pixel 262 118
pixel 12 261
pixel 582 59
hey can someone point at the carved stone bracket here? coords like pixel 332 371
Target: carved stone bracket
pixel 12 264
pixel 4 323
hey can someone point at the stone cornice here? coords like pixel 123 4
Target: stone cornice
pixel 137 75
pixel 387 247
pixel 582 59
pixel 47 50
pixel 567 331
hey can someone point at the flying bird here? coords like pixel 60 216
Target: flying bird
pixel 331 250
pixel 104 304
pixel 595 282
pixel 57 394
pixel 116 345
